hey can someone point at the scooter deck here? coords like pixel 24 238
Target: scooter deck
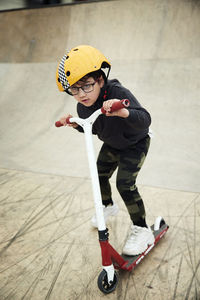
pixel 133 261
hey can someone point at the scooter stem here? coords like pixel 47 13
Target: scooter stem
pixel 87 127
pixel 87 124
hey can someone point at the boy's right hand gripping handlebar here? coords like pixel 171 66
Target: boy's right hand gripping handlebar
pixel 116 106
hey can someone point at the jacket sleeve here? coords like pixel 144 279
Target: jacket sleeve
pixel 79 128
pixel 138 117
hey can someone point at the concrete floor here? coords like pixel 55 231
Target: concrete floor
pixel 48 248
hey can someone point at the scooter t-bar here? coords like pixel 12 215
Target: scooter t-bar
pixel 116 106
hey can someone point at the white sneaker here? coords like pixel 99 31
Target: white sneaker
pixel 110 210
pixel 138 240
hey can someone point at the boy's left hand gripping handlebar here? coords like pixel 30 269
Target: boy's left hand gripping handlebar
pixel 116 106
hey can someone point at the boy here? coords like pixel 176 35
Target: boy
pixel 124 134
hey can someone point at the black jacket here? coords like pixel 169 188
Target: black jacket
pixel 117 132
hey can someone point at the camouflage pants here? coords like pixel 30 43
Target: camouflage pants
pixel 129 163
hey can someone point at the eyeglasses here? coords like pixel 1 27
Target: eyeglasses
pixel 87 88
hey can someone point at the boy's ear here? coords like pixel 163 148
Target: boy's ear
pixel 101 81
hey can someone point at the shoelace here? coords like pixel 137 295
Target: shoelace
pixel 134 233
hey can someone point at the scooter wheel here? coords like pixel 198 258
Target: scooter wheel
pixel 104 285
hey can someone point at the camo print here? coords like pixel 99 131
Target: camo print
pixel 129 163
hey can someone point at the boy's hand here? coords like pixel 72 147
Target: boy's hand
pixel 63 121
pixel 123 112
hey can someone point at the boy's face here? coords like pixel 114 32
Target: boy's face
pixel 88 90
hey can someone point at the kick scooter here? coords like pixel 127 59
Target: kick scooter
pixel 111 259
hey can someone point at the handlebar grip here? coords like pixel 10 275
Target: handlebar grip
pixel 59 124
pixel 117 105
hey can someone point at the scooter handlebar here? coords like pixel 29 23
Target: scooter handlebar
pixel 116 106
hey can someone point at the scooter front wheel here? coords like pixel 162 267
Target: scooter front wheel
pixel 103 283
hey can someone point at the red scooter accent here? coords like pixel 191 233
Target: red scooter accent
pixel 110 255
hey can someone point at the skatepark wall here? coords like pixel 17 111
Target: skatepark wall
pixel 154 49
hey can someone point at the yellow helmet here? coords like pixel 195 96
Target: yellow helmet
pixel 77 63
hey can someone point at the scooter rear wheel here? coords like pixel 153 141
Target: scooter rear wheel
pixel 103 284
